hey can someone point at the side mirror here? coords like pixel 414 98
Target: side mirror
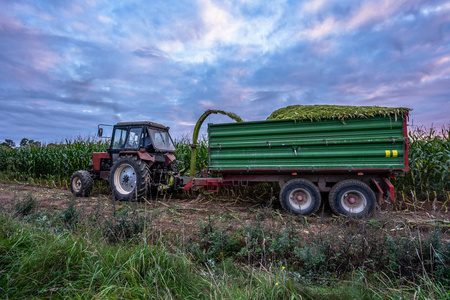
pixel 101 131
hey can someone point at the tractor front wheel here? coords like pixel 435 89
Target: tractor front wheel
pixel 129 178
pixel 81 184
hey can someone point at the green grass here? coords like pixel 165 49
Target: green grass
pixel 39 263
pixel 343 247
pixel 41 258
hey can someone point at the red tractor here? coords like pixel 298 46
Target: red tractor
pixel 140 159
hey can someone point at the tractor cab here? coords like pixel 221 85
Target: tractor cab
pixel 140 136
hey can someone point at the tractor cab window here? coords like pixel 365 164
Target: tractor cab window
pixel 120 135
pixel 134 138
pixel 161 140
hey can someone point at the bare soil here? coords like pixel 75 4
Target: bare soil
pixel 183 213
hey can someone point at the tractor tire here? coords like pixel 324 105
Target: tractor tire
pixel 352 198
pixel 81 184
pixel 300 197
pixel 129 178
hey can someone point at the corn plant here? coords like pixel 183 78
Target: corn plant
pixel 429 161
pixel 184 151
pixel 53 162
pixel 197 129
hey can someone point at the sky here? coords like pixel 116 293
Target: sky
pixel 66 66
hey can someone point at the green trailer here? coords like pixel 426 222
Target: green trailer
pixel 351 159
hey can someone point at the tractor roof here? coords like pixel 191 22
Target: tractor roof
pixel 143 123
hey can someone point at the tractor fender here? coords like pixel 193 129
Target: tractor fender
pixel 146 156
pixel 142 155
pixel 169 159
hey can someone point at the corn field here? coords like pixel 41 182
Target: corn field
pixel 429 162
pixel 183 154
pixel 53 163
pixel 429 159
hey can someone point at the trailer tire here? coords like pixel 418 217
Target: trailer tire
pixel 129 178
pixel 352 198
pixel 81 184
pixel 300 197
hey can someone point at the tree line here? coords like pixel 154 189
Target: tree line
pixel 8 143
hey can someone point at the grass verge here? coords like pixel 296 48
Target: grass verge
pixel 69 255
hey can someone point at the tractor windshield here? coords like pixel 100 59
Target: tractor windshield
pixel 161 140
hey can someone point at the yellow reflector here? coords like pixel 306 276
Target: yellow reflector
pixel 388 153
pixel 394 153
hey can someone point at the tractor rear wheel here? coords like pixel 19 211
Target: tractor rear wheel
pixel 129 178
pixel 81 184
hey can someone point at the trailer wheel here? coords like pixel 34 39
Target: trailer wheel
pixel 300 197
pixel 352 198
pixel 129 178
pixel 81 184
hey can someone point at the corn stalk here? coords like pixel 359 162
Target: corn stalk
pixel 197 129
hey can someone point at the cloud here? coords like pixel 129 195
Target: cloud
pixel 150 52
pixel 219 25
pixel 373 12
pixel 68 66
pixel 314 6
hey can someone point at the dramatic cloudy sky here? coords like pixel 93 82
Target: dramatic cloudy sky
pixel 66 66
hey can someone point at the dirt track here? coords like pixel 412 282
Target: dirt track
pixel 184 215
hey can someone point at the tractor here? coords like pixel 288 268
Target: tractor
pixel 140 159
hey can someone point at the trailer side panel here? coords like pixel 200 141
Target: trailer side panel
pixel 377 144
